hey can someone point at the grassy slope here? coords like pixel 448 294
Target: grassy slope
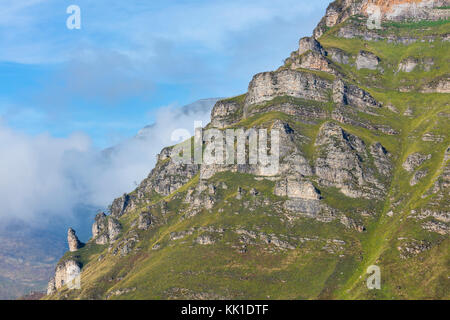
pixel 425 275
pixel 182 269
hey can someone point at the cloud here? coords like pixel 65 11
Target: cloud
pixel 32 171
pixel 121 168
pixel 43 176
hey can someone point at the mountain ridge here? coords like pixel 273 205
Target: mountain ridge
pixel 364 175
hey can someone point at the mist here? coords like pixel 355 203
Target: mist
pixel 44 177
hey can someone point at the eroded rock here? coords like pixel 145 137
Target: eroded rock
pixel 367 60
pixel 293 188
pixel 145 220
pixel 268 85
pixel 72 239
pixel 225 113
pixel 340 163
pixel 415 160
pixel 66 273
pixel 419 175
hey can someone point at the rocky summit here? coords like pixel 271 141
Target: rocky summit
pixel 362 111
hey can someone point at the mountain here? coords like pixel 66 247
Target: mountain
pixel 361 110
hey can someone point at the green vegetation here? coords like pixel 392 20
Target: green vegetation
pixel 326 260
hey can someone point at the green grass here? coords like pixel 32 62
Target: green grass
pixel 413 25
pixel 184 269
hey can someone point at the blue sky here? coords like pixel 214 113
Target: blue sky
pixel 132 57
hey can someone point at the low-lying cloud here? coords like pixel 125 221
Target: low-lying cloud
pixel 43 176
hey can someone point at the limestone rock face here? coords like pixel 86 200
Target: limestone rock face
pixel 413 248
pixel 293 188
pixel 313 61
pixel 119 206
pixel 204 240
pixel 72 239
pixel 224 114
pixel 168 176
pixel 336 13
pixel 441 85
pixel 328 124
pixel 114 229
pixel 348 94
pixel 99 225
pixel 51 286
pixel 309 208
pixel 145 221
pixel 419 175
pixel 268 85
pixel 408 65
pixel 338 55
pixel 310 44
pixel 381 158
pixel 414 160
pixel 310 55
pixel 401 10
pixel 367 60
pixel 66 273
pixel 105 229
pixel 398 10
pixel 340 163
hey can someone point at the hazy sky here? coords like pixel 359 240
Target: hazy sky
pixel 65 94
pixel 133 56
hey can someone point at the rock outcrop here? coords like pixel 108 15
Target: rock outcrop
pixel 72 239
pixel 225 113
pixel 145 221
pixel 265 86
pixel 105 229
pixel 100 225
pixel 342 165
pixel 292 188
pixel 415 160
pixel 67 273
pixel 441 85
pixel 349 94
pixel 398 10
pixel 367 60
pixel 310 44
pixel 408 65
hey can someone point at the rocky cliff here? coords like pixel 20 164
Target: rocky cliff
pixel 362 116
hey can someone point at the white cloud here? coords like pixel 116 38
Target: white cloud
pixel 44 176
pixel 32 171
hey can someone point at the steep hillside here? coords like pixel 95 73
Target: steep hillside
pixel 364 176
